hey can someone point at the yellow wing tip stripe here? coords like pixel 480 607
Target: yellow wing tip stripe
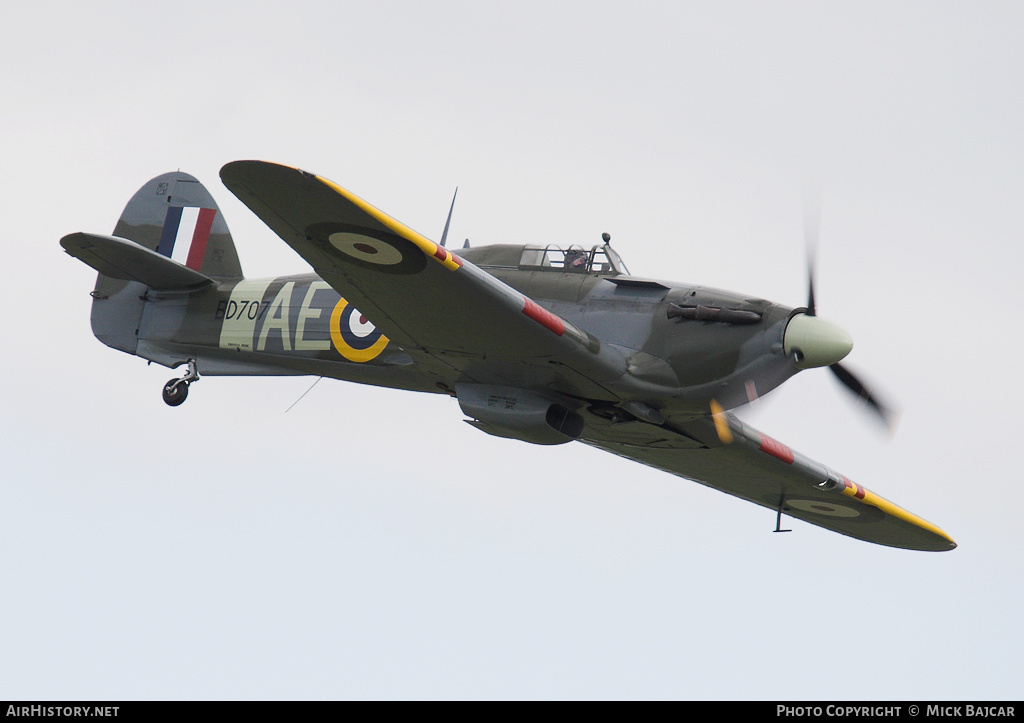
pixel 721 423
pixel 895 510
pixel 431 249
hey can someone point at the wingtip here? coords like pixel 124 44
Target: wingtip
pixel 945 543
pixel 236 170
pixel 937 540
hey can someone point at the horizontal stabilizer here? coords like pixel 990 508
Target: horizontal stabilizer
pixel 120 258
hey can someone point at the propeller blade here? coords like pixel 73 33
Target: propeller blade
pixel 810 287
pixel 812 228
pixel 855 385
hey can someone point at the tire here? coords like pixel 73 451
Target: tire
pixel 175 392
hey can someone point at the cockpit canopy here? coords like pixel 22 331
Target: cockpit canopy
pixel 600 259
pixel 573 259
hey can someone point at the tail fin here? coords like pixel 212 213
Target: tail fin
pixel 175 216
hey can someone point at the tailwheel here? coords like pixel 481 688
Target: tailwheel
pixel 175 392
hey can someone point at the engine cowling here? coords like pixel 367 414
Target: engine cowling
pixel 518 414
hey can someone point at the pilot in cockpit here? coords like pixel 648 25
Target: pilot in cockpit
pixel 576 260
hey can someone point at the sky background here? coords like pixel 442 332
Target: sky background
pixel 368 544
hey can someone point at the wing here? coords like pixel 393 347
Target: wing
pixel 724 453
pixel 421 295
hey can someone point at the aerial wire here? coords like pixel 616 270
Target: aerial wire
pixel 303 394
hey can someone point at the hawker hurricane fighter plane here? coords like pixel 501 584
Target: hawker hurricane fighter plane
pixel 537 343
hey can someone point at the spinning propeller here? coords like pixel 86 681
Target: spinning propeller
pixel 816 342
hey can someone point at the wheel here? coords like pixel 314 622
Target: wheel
pixel 175 392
